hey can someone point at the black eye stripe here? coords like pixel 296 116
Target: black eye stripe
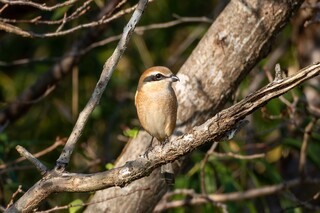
pixel 155 77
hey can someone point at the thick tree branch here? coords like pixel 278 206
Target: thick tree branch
pixel 221 126
pixel 237 40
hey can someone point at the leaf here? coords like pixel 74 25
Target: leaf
pixel 76 205
pixel 132 133
pixel 109 166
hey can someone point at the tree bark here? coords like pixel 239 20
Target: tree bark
pixel 222 126
pixel 236 41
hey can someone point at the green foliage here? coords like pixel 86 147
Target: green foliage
pixel 131 133
pixel 109 166
pixel 77 205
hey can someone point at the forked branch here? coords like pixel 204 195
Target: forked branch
pixel 221 126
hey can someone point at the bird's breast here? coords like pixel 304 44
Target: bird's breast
pixel 157 112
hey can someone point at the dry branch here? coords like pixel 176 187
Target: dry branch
pixel 106 74
pixel 23 152
pixel 37 5
pixel 198 199
pixel 237 40
pixel 29 34
pixel 221 126
pixel 57 72
pixel 138 30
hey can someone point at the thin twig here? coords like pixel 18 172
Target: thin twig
pixel 198 199
pixel 140 29
pixel 23 152
pixel 16 30
pixel 180 20
pixel 37 5
pixel 299 203
pixel 304 147
pixel 19 190
pixel 64 21
pixel 57 143
pixel 3 8
pixel 37 20
pixel 237 156
pixel 203 165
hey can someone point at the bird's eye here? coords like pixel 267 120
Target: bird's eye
pixel 158 77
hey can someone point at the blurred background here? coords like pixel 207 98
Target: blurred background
pixel 265 152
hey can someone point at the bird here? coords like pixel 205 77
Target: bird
pixel 157 106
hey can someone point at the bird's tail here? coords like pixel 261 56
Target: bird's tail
pixel 168 174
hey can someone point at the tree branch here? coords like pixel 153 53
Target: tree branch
pixel 23 152
pixel 37 5
pixel 198 199
pixel 106 74
pixel 58 71
pixel 238 39
pixel 221 126
pixel 29 34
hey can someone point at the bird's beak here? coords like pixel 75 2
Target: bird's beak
pixel 174 78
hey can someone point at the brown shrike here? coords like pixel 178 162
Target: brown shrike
pixel 156 104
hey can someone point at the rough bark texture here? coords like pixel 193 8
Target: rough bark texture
pixel 235 42
pixel 220 127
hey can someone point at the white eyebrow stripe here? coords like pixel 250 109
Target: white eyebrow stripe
pixel 154 73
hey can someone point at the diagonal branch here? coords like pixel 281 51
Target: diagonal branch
pixel 221 126
pixel 107 71
pixel 57 72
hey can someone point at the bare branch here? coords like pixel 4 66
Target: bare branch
pixel 19 190
pixel 139 30
pixel 16 30
pixel 57 143
pixel 37 20
pixel 57 72
pixel 3 8
pixel 23 152
pixel 38 6
pixel 107 71
pixel 203 165
pixel 214 129
pixel 198 199
pixel 299 203
pixel 13 29
pixel 304 147
pixel 142 29
pixel 237 156
pixel 179 20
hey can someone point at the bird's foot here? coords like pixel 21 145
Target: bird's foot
pixel 146 154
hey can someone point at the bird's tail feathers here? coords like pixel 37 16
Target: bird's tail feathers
pixel 168 174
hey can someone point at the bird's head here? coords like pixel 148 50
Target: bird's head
pixel 157 77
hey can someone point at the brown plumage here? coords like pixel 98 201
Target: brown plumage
pixel 156 104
